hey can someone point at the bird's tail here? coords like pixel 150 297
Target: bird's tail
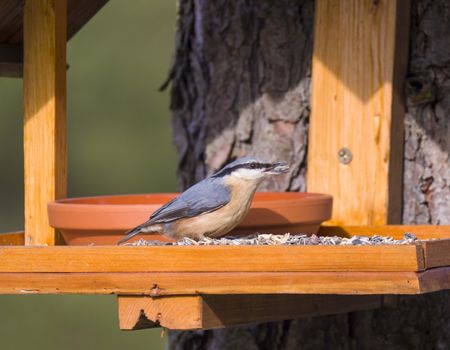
pixel 145 227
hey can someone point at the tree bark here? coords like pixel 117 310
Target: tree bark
pixel 240 86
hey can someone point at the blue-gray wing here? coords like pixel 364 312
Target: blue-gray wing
pixel 206 196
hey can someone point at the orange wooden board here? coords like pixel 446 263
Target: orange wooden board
pixel 436 253
pixel 44 102
pixel 12 238
pixel 358 69
pixel 214 311
pixel 170 271
pixel 211 258
pixel 165 284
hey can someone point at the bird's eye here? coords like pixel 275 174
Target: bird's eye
pixel 253 166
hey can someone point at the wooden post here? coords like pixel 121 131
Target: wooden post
pixel 356 126
pixel 45 34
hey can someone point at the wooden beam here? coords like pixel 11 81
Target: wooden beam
pixel 179 312
pixel 45 28
pixel 436 253
pixel 219 283
pixel 212 258
pixel 214 311
pixel 434 280
pixel 12 238
pixel 355 145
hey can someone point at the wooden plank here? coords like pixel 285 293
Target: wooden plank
pixel 218 311
pixel 358 68
pixel 436 253
pixel 225 311
pixel 434 280
pixel 211 258
pixel 166 283
pixel 395 231
pixel 177 312
pixel 45 35
pixel 12 238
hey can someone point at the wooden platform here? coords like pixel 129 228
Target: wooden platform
pixel 354 112
pixel 179 283
pixel 218 286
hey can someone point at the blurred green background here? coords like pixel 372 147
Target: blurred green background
pixel 119 142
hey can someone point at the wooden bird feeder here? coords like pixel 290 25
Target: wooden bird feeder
pixel 355 134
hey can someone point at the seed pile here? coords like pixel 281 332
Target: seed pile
pixel 286 239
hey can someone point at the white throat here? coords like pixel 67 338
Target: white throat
pixel 248 174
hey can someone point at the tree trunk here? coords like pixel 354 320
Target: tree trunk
pixel 241 83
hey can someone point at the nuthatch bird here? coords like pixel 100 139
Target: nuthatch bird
pixel 213 206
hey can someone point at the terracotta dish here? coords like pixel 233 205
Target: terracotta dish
pixel 103 220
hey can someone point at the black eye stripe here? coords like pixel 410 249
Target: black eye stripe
pixel 227 171
pixel 257 165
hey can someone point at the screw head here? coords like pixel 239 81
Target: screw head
pixel 345 156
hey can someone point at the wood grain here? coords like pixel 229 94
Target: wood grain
pixel 358 56
pixel 12 238
pixel 395 231
pixel 177 312
pixel 45 35
pixel 436 253
pixel 214 311
pixel 167 283
pixel 434 280
pixel 220 311
pixel 211 258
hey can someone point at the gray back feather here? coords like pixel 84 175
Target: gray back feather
pixel 206 196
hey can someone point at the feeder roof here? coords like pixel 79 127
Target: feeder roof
pixel 79 12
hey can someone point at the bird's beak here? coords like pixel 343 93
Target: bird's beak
pixel 277 168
